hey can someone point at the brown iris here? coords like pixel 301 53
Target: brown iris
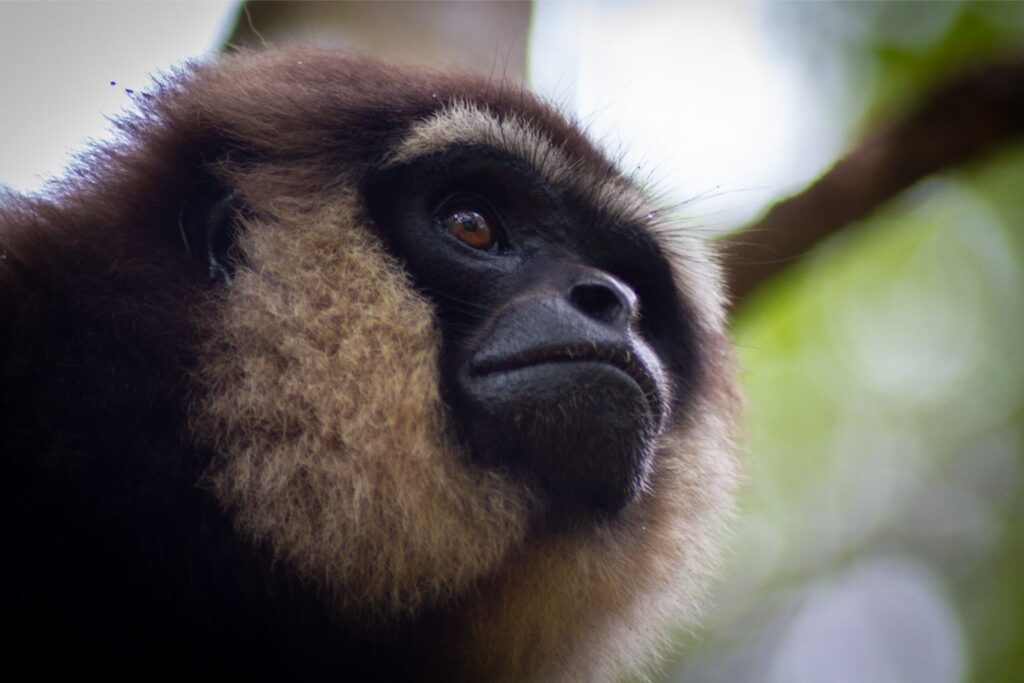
pixel 470 226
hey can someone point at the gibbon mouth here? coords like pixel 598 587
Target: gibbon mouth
pixel 622 359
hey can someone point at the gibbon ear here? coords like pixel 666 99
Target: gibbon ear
pixel 208 224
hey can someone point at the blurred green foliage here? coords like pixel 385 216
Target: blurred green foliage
pixel 884 515
pixel 911 44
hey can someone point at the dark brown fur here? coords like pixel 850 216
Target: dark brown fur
pixel 261 481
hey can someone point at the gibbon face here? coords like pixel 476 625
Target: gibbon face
pixel 445 368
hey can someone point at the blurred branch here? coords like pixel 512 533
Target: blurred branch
pixel 961 120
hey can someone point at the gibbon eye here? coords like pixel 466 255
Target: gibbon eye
pixel 469 224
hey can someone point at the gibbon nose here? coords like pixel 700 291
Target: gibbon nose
pixel 603 297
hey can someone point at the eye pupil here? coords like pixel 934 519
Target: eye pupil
pixel 469 226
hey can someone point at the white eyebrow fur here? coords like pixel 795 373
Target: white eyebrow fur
pixel 467 124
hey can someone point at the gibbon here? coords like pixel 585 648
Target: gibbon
pixel 327 367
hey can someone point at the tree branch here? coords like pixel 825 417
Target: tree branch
pixel 961 120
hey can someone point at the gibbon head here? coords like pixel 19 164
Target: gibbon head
pixel 451 360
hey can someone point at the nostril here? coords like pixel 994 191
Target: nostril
pixel 599 301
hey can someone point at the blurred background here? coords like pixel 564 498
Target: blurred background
pixel 881 535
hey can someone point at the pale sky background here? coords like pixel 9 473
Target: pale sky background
pixel 57 60
pixel 701 98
